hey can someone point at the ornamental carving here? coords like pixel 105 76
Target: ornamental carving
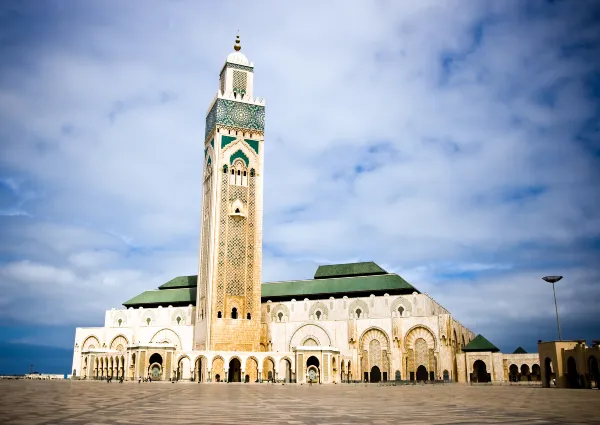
pixel 358 309
pixel 235 114
pixel 401 307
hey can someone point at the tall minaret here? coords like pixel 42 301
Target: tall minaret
pixel 229 275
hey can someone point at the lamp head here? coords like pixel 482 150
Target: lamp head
pixel 552 279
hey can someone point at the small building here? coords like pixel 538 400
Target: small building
pixel 569 364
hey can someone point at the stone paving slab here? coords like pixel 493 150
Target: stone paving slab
pixel 81 402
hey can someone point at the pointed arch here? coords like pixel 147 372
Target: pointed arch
pixel 90 342
pixel 420 331
pixel 374 333
pixel 119 343
pixel 167 336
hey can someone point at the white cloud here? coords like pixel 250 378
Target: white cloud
pixel 106 122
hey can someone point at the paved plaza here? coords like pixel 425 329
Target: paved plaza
pixel 73 402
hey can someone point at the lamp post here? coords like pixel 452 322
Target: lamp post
pixel 553 280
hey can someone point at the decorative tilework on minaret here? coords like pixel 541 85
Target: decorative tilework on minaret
pixel 229 276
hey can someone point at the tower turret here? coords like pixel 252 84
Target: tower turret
pixel 229 275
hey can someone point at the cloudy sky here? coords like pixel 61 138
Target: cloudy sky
pixel 454 143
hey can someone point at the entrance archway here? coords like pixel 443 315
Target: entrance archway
pixel 235 370
pixel 375 374
pixel 155 368
pixel 548 374
pixel 312 370
pixel 480 371
pixel 572 374
pixel 421 373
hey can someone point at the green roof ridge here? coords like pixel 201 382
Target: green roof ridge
pixel 388 282
pixel 367 268
pixel 520 350
pixel 181 282
pixel 177 296
pixel 480 343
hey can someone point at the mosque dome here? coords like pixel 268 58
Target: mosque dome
pixel 239 58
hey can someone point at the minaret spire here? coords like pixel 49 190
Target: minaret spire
pixel 237 47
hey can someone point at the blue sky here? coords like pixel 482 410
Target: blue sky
pixel 454 143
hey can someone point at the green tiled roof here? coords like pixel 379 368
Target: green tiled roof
pixel 366 285
pixel 356 279
pixel 174 297
pixel 520 350
pixel 480 344
pixel 348 270
pixel 181 282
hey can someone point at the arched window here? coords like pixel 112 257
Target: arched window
pixel 251 172
pixel 178 320
pixel 232 171
pixel 219 315
pixel 225 169
pixel 234 313
pixel 120 321
pixel 239 172
pixel 248 316
pixel 358 312
pixel 318 314
pixel 400 311
pixel 244 173
pixel 148 320
pixel 280 315
pixel 237 210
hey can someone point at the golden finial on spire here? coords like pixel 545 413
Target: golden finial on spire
pixel 237 47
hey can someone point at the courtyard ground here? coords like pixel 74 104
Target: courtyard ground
pixel 80 402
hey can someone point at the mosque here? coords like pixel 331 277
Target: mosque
pixel 351 322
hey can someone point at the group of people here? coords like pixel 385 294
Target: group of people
pixel 148 379
pixel 110 378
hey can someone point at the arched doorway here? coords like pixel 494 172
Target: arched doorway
pixel 421 373
pixel 268 369
pixel 548 372
pixel 525 375
pixel 312 370
pixel 183 369
pixel 594 371
pixel 480 371
pixel 285 370
pixel 235 370
pixel 375 374
pixel 572 374
pixel 200 369
pixel 536 372
pixel 446 375
pixel 156 366
pixel 252 369
pixel 513 373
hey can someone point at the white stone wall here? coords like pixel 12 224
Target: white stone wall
pixel 331 322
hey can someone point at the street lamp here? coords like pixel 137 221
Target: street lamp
pixel 553 280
